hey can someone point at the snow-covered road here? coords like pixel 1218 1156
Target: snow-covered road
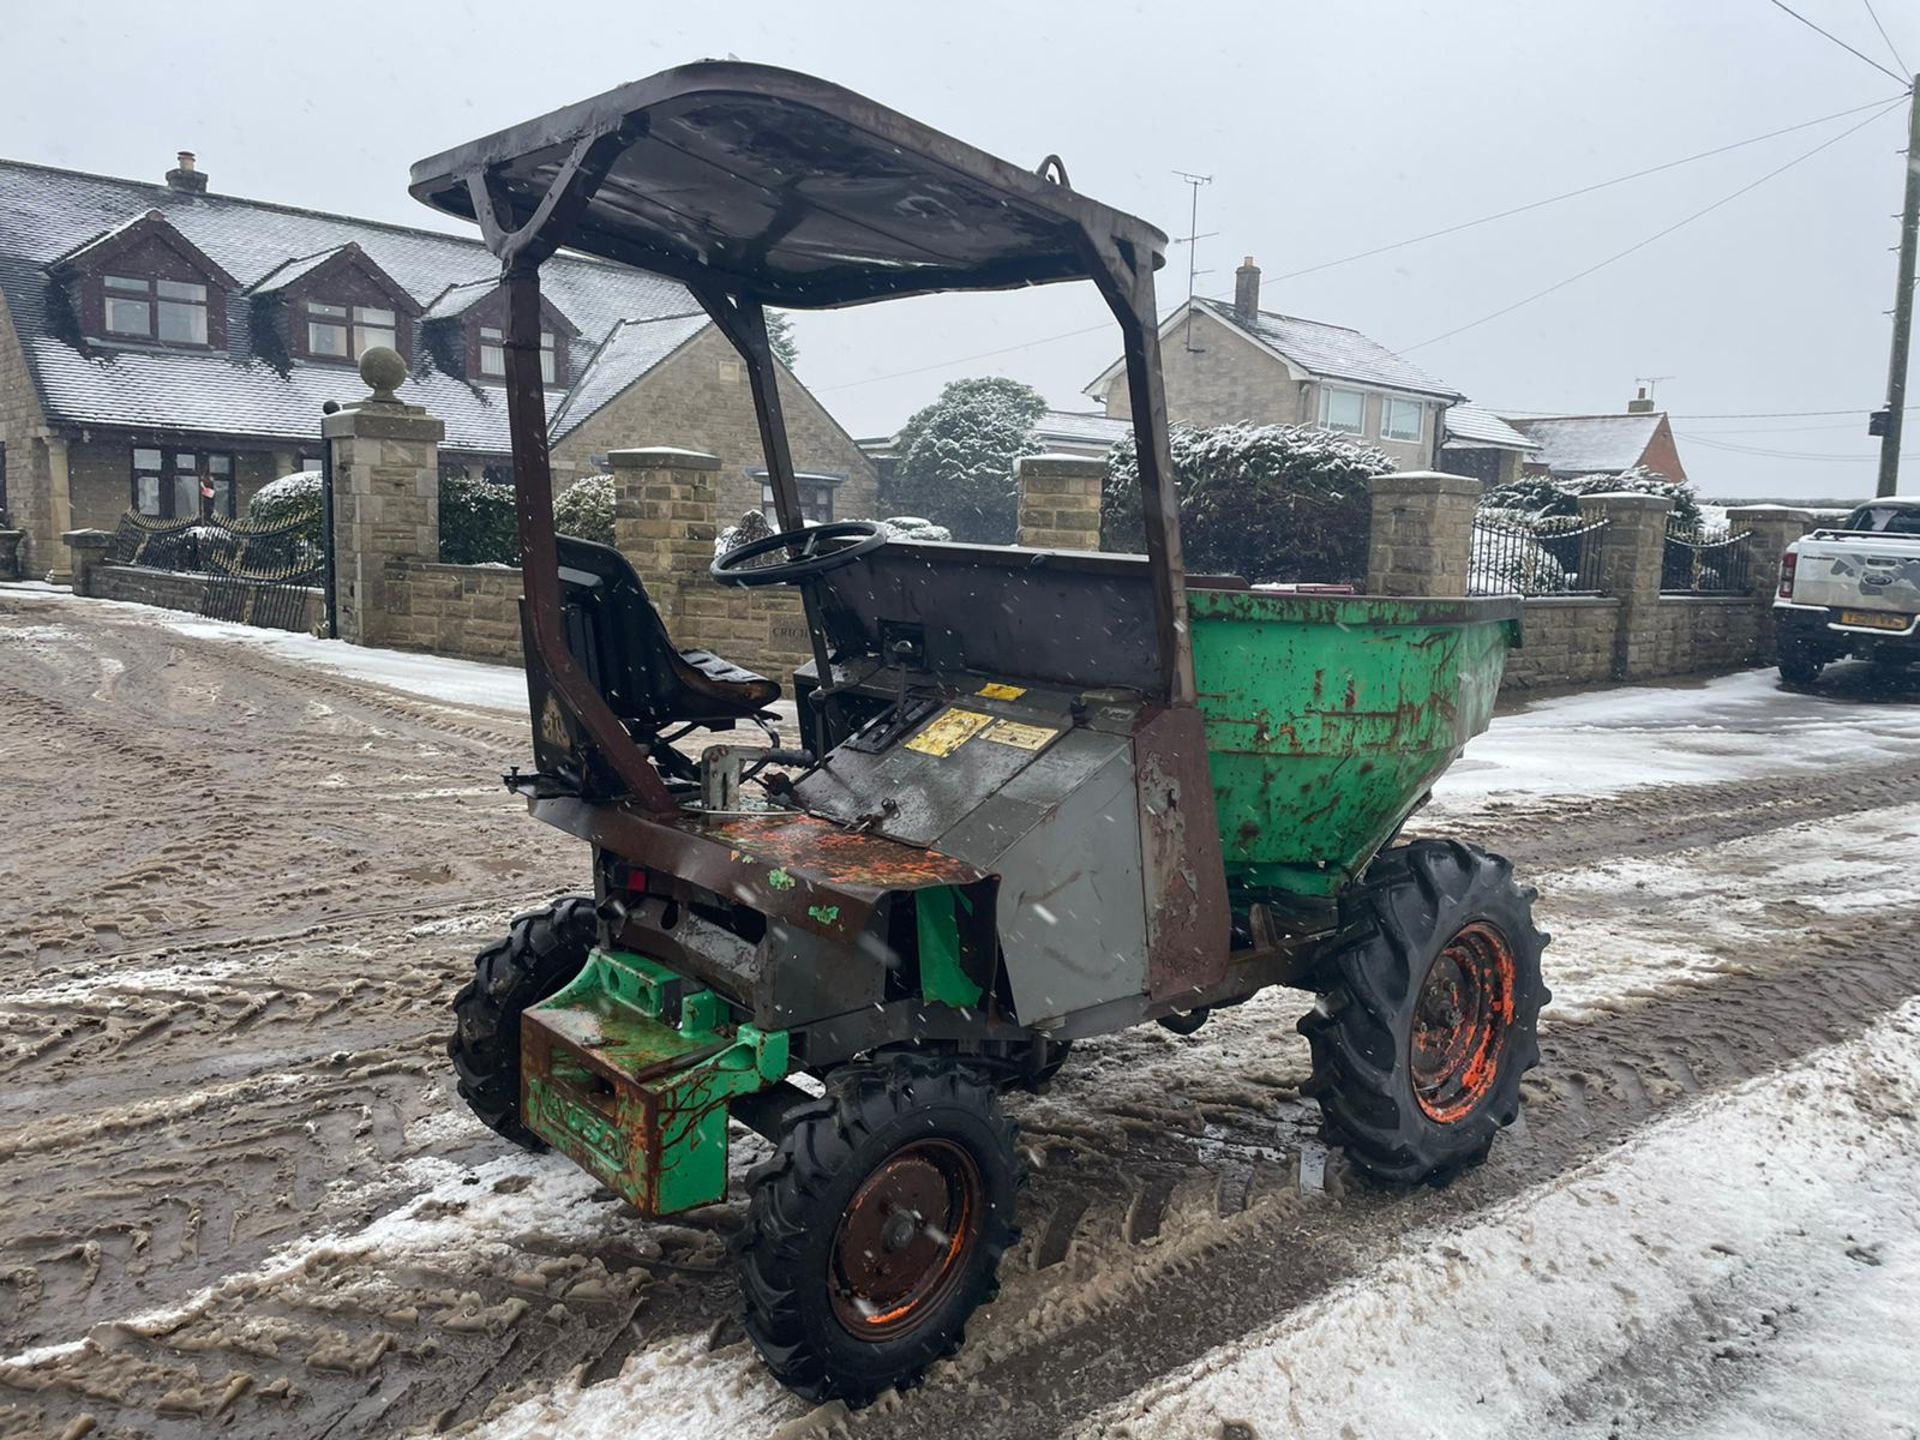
pixel 256 1205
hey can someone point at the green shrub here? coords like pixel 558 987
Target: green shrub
pixel 1540 497
pixel 291 500
pixel 1267 502
pixel 957 454
pixel 584 509
pixel 476 521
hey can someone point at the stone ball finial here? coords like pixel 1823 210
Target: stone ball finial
pixel 383 370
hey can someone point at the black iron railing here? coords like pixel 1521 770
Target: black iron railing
pixel 1535 557
pixel 1706 560
pixel 281 552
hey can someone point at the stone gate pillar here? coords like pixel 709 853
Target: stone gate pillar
pixel 1774 528
pixel 1632 549
pixel 1421 540
pixel 386 494
pixel 665 504
pixel 1059 501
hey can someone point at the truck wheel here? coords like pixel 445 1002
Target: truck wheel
pixel 541 953
pixel 1430 1021
pixel 877 1227
pixel 1799 666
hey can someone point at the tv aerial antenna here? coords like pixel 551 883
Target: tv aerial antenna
pixel 1191 240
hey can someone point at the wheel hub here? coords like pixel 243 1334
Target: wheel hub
pixel 1461 1022
pixel 904 1239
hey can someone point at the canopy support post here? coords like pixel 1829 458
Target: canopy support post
pixel 1126 283
pixel 743 320
pixel 521 249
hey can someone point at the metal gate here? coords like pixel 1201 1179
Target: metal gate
pixel 257 573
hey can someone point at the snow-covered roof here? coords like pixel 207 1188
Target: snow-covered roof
pixel 47 213
pixel 1591 444
pixel 630 351
pixel 1332 352
pixel 1470 427
pixel 458 299
pixel 1076 427
pixel 281 276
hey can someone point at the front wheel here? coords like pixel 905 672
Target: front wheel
pixel 1431 1017
pixel 877 1228
pixel 540 954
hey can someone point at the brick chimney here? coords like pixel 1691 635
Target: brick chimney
pixel 1246 290
pixel 185 178
pixel 1641 404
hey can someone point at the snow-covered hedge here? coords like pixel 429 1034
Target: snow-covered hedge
pixel 1269 502
pixel 1512 564
pixel 585 509
pixel 291 500
pixel 1541 497
pixel 957 454
pixel 477 522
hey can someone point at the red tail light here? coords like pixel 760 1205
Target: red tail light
pixel 1787 563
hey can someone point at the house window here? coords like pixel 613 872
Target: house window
pixel 1401 419
pixel 346 332
pixel 816 498
pixel 493 355
pixel 182 484
pixel 173 312
pixel 1343 411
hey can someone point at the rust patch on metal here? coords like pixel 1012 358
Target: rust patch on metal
pixel 1186 884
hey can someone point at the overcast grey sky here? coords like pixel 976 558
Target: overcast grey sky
pixel 1328 128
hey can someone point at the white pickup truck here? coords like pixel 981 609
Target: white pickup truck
pixel 1851 590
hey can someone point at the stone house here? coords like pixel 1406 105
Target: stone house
pixel 1574 445
pixel 1477 443
pixel 168 349
pixel 1235 363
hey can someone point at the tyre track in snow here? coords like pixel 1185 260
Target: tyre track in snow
pixel 1166 1213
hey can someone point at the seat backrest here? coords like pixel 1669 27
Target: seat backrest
pixel 614 632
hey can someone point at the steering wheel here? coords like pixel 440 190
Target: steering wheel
pixel 813 551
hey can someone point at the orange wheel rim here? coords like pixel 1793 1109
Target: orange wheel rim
pixel 904 1239
pixel 1461 1021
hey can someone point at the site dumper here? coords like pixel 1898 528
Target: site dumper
pixel 1035 795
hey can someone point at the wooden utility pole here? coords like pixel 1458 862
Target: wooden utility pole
pixel 1890 419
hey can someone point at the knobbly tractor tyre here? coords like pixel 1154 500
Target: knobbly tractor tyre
pixel 1430 1018
pixel 876 1229
pixel 541 953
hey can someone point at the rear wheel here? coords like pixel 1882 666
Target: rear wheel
pixel 1799 665
pixel 541 953
pixel 877 1228
pixel 1429 1021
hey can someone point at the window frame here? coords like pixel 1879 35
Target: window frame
pixel 1327 392
pixel 145 292
pixel 207 469
pixel 353 321
pixel 492 339
pixel 1387 404
pixel 823 487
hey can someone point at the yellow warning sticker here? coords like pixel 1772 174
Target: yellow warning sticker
pixel 994 690
pixel 949 732
pixel 1021 737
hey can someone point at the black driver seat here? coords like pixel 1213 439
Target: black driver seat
pixel 619 639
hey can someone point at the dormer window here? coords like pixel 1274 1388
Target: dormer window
pixel 174 312
pixel 493 355
pixel 346 332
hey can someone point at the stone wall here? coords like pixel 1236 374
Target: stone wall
pixel 699 398
pixel 261 604
pixel 472 611
pixel 1568 641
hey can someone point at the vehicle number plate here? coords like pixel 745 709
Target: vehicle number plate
pixel 1875 619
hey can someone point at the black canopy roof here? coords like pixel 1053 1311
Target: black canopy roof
pixel 776 185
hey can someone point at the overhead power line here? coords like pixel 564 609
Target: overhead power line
pixel 1383 249
pixel 1891 50
pixel 1899 79
pixel 1583 190
pixel 1694 438
pixel 1657 235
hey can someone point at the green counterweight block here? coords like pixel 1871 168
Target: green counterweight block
pixel 629 1071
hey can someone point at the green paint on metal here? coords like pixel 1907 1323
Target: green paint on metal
pixel 629 1071
pixel 942 979
pixel 1328 717
pixel 825 914
pixel 780 880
